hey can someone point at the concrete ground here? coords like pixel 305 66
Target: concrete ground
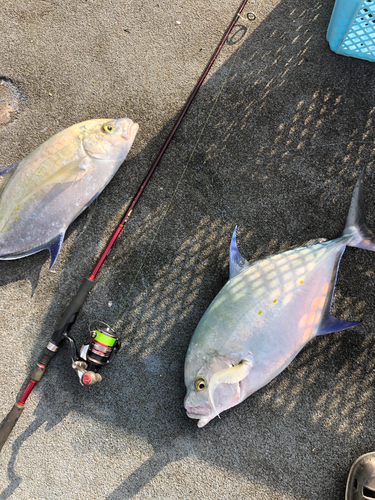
pixel 284 144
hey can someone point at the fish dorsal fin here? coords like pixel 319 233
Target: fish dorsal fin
pixel 237 263
pixel 232 375
pixel 54 247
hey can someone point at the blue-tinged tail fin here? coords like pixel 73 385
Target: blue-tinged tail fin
pixel 356 227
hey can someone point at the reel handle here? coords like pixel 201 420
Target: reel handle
pixel 91 378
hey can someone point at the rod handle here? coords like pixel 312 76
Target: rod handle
pixel 70 314
pixel 9 422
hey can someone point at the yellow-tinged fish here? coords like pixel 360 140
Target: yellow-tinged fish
pixel 46 191
pixel 263 317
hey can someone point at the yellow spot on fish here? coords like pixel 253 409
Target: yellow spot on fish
pixel 301 282
pixel 275 301
pixel 8 229
pixel 16 218
pixel 260 312
pixel 18 208
pixel 325 288
pixel 39 172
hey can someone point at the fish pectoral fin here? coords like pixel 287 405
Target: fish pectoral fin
pixel 232 375
pixel 54 247
pixel 68 174
pixel 71 172
pixel 237 263
pixel 331 324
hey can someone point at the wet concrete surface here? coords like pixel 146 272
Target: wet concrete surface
pixel 291 129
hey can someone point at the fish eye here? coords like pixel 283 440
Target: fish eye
pixel 200 383
pixel 108 128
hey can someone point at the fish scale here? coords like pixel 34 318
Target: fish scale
pixel 264 315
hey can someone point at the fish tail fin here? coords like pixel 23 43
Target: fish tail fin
pixel 356 229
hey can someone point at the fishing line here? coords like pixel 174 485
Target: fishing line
pixel 251 16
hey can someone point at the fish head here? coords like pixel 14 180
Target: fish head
pixel 108 139
pixel 205 398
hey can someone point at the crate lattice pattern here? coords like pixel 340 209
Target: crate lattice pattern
pixel 360 38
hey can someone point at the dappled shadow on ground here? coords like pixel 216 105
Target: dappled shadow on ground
pixel 291 131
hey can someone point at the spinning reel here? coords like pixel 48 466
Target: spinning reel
pixel 99 350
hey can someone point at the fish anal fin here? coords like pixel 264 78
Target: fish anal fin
pixel 237 263
pixel 331 324
pixel 54 247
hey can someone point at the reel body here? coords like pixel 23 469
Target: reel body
pixel 100 350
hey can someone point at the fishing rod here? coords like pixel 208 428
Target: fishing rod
pixel 103 343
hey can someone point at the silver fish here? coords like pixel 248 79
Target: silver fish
pixel 47 190
pixel 264 315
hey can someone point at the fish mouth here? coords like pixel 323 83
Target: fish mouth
pixel 130 131
pixel 197 412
